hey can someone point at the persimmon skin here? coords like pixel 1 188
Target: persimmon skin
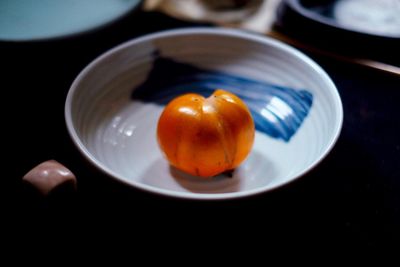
pixel 206 136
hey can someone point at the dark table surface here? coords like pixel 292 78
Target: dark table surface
pixel 351 199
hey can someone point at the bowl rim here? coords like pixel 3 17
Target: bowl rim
pixel 202 31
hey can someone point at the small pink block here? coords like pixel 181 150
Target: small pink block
pixel 48 175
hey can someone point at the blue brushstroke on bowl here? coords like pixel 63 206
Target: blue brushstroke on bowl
pixel 278 111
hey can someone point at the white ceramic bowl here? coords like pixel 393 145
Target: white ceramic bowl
pixel 114 104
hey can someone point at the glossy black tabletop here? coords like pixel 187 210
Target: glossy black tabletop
pixel 351 199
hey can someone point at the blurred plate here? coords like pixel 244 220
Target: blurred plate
pixel 27 20
pixel 373 17
pixel 345 26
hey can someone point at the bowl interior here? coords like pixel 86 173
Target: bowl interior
pixel 113 107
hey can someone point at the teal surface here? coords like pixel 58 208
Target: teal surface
pixel 24 20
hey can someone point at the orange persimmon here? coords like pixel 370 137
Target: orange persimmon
pixel 206 136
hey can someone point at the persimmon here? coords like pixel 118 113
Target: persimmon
pixel 206 136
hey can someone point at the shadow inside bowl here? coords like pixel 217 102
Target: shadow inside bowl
pixel 256 172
